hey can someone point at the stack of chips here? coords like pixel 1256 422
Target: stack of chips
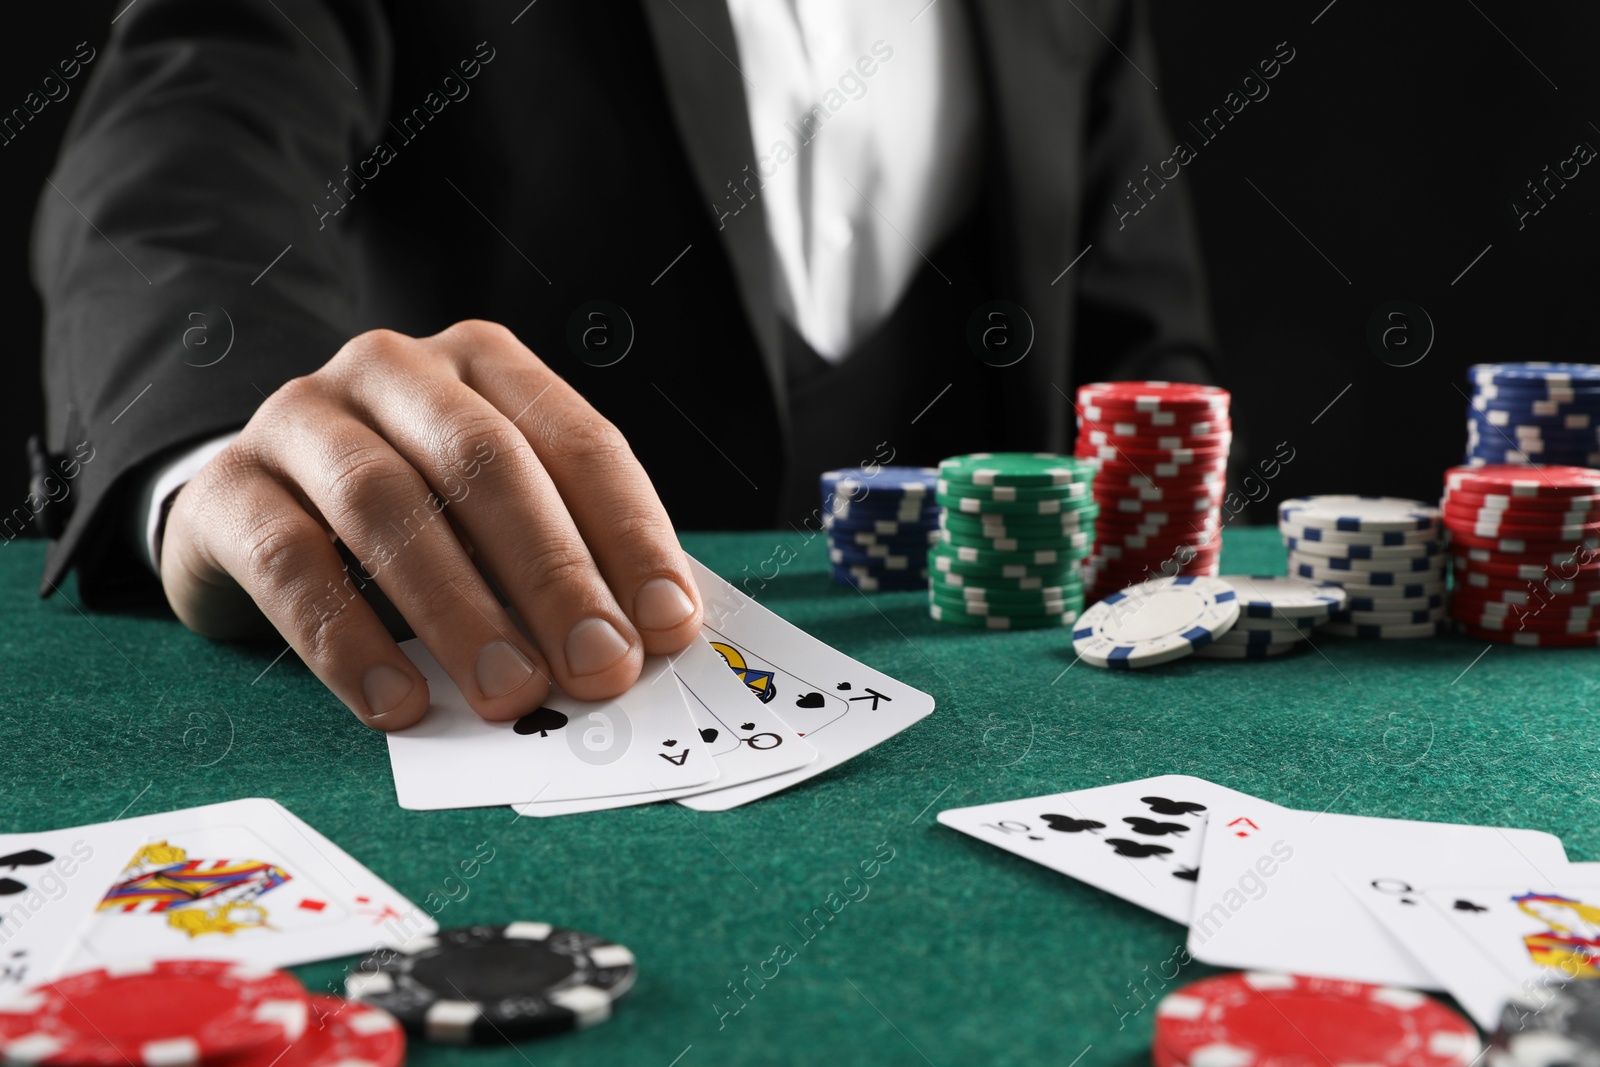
pixel 1385 552
pixel 1276 615
pixel 1160 450
pixel 1014 528
pixel 1525 552
pixel 1522 414
pixel 880 522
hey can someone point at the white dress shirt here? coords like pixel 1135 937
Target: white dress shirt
pixel 864 115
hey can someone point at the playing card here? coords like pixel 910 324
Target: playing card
pixel 642 742
pixel 1136 840
pixel 744 737
pixel 243 880
pixel 1525 929
pixel 50 883
pixel 839 706
pixel 1270 896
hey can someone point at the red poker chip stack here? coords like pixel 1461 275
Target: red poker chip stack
pixel 192 1013
pixel 1525 553
pixel 1160 451
pixel 1256 1018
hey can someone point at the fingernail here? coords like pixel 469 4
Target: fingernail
pixel 501 668
pixel 384 688
pixel 593 645
pixel 661 604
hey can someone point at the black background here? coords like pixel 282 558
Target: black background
pixel 1390 150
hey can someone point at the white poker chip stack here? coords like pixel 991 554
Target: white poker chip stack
pixel 1276 615
pixel 1385 552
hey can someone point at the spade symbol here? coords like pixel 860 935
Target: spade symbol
pixel 842 685
pixel 1150 828
pixel 747 726
pixel 1163 806
pixel 1188 874
pixel 1067 825
pixel 672 743
pixel 810 700
pixel 709 734
pixel 1467 905
pixel 540 722
pixel 1136 849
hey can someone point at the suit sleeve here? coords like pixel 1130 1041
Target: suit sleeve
pixel 181 245
pixel 1142 311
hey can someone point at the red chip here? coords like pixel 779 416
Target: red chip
pixel 1553 549
pixel 1267 1020
pixel 1499 502
pixel 1531 481
pixel 1538 585
pixel 164 1014
pixel 342 1033
pixel 1153 396
pixel 1531 639
pixel 1555 526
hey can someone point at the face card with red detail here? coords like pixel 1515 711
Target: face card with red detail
pixel 244 880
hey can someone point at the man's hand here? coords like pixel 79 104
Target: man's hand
pixel 433 460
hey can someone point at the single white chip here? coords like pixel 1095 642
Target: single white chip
pixel 1156 622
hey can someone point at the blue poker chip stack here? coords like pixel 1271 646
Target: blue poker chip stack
pixel 1534 413
pixel 880 522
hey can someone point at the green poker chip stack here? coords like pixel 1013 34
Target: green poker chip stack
pixel 1013 530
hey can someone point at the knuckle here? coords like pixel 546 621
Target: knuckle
pixel 367 480
pixel 474 439
pixel 556 566
pixel 483 334
pixel 369 351
pixel 277 549
pixel 593 441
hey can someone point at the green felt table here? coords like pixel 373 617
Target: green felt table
pixel 958 953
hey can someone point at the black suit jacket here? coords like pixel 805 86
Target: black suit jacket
pixel 267 178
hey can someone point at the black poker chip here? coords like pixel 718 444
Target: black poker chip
pixel 1549 1024
pixel 490 984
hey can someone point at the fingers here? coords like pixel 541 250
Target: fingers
pixel 611 500
pixel 377 503
pixel 265 547
pixel 510 511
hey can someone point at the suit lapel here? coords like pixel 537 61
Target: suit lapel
pixel 696 48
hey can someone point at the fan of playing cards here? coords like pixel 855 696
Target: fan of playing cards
pixel 1480 911
pixel 755 707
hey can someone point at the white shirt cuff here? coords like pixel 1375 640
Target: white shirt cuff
pixel 166 480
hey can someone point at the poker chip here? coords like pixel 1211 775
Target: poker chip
pixel 1387 553
pixel 879 521
pixel 1155 622
pixel 959 617
pixel 167 1013
pixel 1218 650
pixel 1520 482
pixel 889 581
pixel 1334 550
pixel 1301 532
pixel 1556 1024
pixel 1389 618
pixel 1531 638
pixel 1287 635
pixel 1153 396
pixel 488 984
pixel 1244 1019
pixel 1528 534
pixel 1006 552
pixel 1389 632
pixel 1376 603
pixel 1369 514
pixel 1160 450
pixel 339 1033
pixel 1013 469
